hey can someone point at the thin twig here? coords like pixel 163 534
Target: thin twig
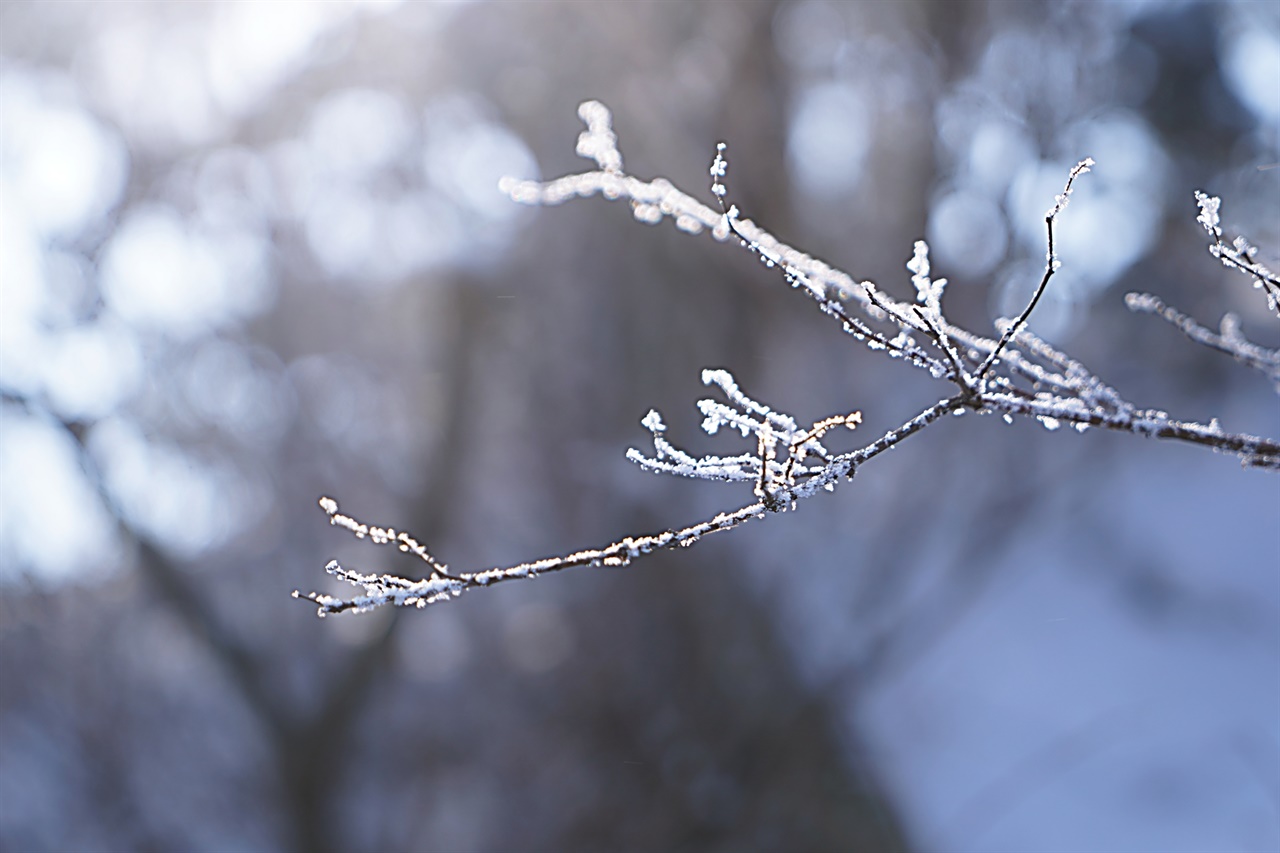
pixel 1051 266
pixel 1230 342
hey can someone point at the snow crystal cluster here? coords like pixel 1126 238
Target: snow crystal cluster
pixel 772 430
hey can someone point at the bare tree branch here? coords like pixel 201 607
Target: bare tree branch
pixel 1017 374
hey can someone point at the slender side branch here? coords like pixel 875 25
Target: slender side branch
pixel 1051 266
pixel 384 536
pixel 1231 341
pixel 1240 255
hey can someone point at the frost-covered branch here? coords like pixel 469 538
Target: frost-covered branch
pixel 1038 380
pixel 1013 375
pixel 1240 255
pixel 1018 374
pixel 1229 339
pixel 783 488
pixel 1051 266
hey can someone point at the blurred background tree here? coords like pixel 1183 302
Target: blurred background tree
pixel 255 253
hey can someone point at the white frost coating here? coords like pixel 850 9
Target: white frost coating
pixel 919 263
pixel 1208 217
pixel 688 224
pixel 719 165
pixel 690 215
pixel 653 422
pixel 928 291
pixel 725 381
pixel 598 142
pixel 1060 201
pixel 650 214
